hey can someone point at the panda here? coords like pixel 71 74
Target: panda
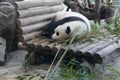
pixel 65 24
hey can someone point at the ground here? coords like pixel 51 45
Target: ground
pixel 13 68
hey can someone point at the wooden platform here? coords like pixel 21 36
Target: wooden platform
pixel 34 16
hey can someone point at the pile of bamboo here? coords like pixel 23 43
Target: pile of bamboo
pixel 34 15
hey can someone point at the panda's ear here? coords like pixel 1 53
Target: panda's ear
pixel 68 30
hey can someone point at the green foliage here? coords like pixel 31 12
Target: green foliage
pixel 69 73
pixel 117 24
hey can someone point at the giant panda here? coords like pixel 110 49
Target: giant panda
pixel 65 24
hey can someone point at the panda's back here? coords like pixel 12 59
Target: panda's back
pixel 62 15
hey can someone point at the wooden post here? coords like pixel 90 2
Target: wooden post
pixel 97 11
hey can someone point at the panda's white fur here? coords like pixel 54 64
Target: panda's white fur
pixel 79 26
pixel 65 24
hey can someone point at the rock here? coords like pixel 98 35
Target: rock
pixel 8 25
pixel 2 50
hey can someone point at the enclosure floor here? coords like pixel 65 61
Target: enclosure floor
pixel 13 67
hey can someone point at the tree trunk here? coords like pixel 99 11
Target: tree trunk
pixel 97 11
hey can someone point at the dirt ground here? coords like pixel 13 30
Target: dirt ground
pixel 14 67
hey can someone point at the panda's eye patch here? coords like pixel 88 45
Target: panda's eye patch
pixel 57 33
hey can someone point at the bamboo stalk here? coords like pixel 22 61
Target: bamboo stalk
pixel 35 19
pixel 39 11
pixel 34 27
pixel 37 3
pixel 30 36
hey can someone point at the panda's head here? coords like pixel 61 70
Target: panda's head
pixel 61 33
pixel 66 30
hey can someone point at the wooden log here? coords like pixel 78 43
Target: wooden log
pixel 39 11
pixel 107 50
pixel 56 48
pixel 30 36
pixel 50 45
pixel 111 57
pixel 99 47
pixel 35 19
pixel 79 46
pixel 37 3
pixel 91 46
pixel 34 27
pixel 22 46
pixel 44 44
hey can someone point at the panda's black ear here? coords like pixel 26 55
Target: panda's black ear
pixel 68 30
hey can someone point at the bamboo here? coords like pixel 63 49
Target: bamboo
pixel 30 36
pixel 34 27
pixel 35 19
pixel 39 11
pixel 37 3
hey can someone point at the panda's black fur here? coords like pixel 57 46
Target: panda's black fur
pixel 49 29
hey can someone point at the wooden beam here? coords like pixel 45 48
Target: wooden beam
pixel 30 36
pixel 39 11
pixel 36 3
pixel 33 27
pixel 35 19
